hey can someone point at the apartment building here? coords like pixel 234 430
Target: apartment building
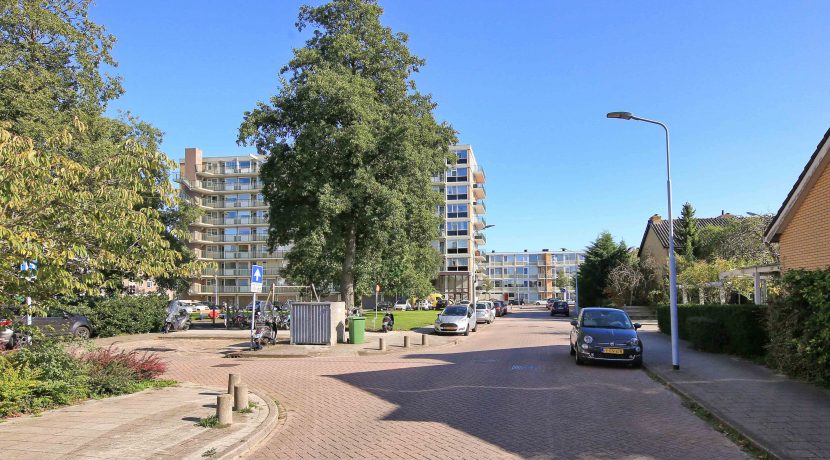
pixel 530 276
pixel 233 231
pixel 462 229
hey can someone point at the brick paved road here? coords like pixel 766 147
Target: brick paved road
pixel 509 390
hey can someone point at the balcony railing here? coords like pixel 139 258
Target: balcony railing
pixel 231 204
pixel 211 289
pixel 231 238
pixel 480 222
pixel 478 174
pixel 268 271
pixel 221 186
pixel 228 255
pixel 478 191
pixel 213 168
pixel 480 238
pixel 480 207
pixel 233 221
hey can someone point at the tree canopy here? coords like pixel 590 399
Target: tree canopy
pixel 85 195
pixel 600 258
pixel 351 148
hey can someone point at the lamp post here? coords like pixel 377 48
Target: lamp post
pixel 675 358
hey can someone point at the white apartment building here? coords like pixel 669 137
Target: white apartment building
pixel 233 231
pixel 462 230
pixel 530 276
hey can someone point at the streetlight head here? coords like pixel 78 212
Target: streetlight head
pixel 621 115
pixel 488 226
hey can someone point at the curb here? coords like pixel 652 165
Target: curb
pixel 262 432
pixel 715 413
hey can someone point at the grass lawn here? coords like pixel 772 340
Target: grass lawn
pixel 404 320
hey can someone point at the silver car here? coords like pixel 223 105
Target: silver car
pixel 6 334
pixel 485 313
pixel 456 319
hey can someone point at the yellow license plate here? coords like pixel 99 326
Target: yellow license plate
pixel 613 351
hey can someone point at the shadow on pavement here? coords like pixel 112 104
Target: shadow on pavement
pixel 532 402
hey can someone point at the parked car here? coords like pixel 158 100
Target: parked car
pixel 403 305
pixel 384 306
pixel 501 307
pixel 513 302
pixel 6 334
pixel 540 302
pixel 456 319
pixel 560 307
pixel 423 304
pixel 464 302
pixel 60 323
pixel 485 313
pixel 549 303
pixel 441 304
pixel 605 334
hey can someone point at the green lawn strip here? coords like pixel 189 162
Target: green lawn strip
pixel 404 320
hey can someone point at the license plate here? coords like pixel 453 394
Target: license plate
pixel 613 351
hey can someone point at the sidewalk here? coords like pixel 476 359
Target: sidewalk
pixel 153 424
pixel 790 419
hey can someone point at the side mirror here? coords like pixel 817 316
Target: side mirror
pixel 637 325
pixel 574 323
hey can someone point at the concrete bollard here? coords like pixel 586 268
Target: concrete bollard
pixel 240 397
pixel 382 344
pixel 424 339
pixel 406 341
pixel 233 380
pixel 224 406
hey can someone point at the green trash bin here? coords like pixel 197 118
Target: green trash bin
pixel 357 329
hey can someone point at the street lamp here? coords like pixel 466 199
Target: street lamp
pixel 675 358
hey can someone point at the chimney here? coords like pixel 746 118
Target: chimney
pixel 544 250
pixel 655 219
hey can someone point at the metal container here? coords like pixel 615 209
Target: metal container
pixel 317 323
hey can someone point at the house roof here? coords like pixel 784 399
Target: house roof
pixel 661 229
pixel 812 170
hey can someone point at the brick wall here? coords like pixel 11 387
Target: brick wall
pixel 805 241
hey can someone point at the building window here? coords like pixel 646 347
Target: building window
pixel 457 246
pixel 457 175
pixel 456 228
pixel 457 192
pixel 457 264
pixel 455 211
pixel 462 156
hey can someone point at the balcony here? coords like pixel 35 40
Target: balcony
pixel 480 256
pixel 253 237
pixel 232 221
pixel 210 186
pixel 478 191
pixel 480 238
pixel 479 207
pixel 237 272
pixel 231 204
pixel 233 255
pixel 478 174
pixel 215 169
pixel 479 223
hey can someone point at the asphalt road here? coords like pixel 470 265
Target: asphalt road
pixel 509 390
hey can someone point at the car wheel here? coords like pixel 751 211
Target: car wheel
pixel 573 352
pixel 467 331
pixel 82 332
pixel 638 363
pixel 579 361
pixel 186 326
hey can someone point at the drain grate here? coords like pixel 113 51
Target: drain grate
pixel 225 365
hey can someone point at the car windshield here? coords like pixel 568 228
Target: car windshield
pixel 455 311
pixel 606 318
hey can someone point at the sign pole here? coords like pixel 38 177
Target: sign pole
pixel 253 319
pixel 256 286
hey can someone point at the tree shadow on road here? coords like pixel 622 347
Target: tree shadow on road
pixel 533 402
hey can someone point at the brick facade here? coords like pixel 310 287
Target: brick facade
pixel 805 240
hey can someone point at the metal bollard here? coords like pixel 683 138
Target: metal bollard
pixel 406 341
pixel 382 344
pixel 424 339
pixel 224 408
pixel 240 397
pixel 233 380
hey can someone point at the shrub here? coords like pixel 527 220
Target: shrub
pixel 112 378
pixel 16 386
pixel 62 377
pixel 799 325
pixel 743 327
pixel 145 367
pixel 706 334
pixel 124 315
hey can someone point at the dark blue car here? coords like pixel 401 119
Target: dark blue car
pixel 605 334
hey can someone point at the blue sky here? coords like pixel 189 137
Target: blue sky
pixel 742 85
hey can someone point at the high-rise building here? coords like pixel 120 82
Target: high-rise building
pixel 530 276
pixel 462 228
pixel 233 231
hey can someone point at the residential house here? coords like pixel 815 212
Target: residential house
pixel 655 243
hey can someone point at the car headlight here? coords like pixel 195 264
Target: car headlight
pixel 587 339
pixel 635 341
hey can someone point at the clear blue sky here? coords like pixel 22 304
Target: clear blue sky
pixel 743 85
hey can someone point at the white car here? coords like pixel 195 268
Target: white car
pixel 402 305
pixel 485 313
pixel 456 319
pixel 423 304
pixel 541 302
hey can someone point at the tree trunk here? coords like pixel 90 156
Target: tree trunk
pixel 347 277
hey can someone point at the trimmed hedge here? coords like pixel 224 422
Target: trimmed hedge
pixel 799 325
pixel 735 329
pixel 112 316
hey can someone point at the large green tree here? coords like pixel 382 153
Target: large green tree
pixel 741 240
pixel 688 238
pixel 600 258
pixel 351 147
pixel 86 195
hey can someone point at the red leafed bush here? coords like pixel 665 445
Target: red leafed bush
pixel 146 366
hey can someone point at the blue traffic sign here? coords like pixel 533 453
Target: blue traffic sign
pixel 563 290
pixel 256 273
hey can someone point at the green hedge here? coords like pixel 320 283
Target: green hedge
pixel 741 329
pixel 799 325
pixel 124 315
